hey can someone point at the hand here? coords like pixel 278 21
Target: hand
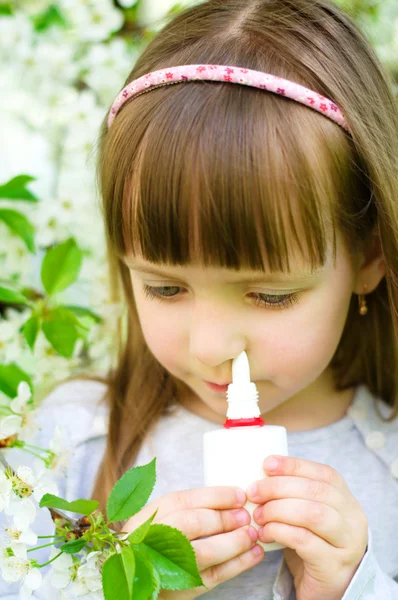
pixel 307 507
pixel 217 514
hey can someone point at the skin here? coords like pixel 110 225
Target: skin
pixel 215 514
pixel 308 507
pixel 305 506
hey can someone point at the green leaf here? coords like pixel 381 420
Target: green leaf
pixel 11 296
pixel 118 575
pixel 138 536
pixel 81 311
pixel 173 557
pixel 130 13
pixel 30 330
pixel 6 9
pixel 52 17
pixel 62 329
pixel 146 580
pixel 61 266
pixel 131 492
pixel 61 335
pixel 61 313
pixel 73 546
pixel 10 377
pixel 128 561
pixel 20 226
pixel 80 506
pixel 15 189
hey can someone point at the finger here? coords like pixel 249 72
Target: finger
pixel 299 467
pixel 320 519
pixel 217 497
pixel 202 522
pixel 311 548
pixel 272 488
pixel 225 546
pixel 218 574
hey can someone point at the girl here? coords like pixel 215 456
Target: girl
pixel 250 214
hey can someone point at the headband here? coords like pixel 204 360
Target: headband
pixel 249 77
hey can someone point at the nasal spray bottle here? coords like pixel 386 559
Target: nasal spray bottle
pixel 235 455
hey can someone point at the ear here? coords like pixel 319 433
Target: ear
pixel 371 266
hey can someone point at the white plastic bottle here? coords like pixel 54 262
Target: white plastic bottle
pixel 234 455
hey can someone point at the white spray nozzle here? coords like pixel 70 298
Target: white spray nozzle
pixel 242 394
pixel 241 369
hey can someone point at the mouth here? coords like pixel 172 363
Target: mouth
pixel 221 389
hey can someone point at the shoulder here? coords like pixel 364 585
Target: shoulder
pixel 379 435
pixel 78 407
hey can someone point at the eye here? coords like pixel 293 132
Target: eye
pixel 157 292
pixel 273 301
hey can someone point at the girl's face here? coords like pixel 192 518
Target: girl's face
pixel 200 318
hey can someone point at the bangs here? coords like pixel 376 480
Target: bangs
pixel 227 180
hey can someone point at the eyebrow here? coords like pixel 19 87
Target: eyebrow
pixel 299 276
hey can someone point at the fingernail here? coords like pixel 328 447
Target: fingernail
pixel 242 517
pixel 252 489
pixel 240 496
pixel 271 463
pixel 257 550
pixel 257 513
pixel 253 534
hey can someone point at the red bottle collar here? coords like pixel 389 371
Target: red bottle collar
pixel 258 421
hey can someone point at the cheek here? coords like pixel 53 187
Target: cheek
pixel 162 335
pixel 304 342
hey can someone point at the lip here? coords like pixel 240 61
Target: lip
pixel 221 389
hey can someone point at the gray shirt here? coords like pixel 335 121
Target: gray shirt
pixel 361 447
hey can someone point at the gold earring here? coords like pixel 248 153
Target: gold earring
pixel 363 308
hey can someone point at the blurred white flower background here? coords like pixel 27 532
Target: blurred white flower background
pixel 61 65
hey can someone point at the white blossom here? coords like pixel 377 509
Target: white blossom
pixel 16 568
pixel 40 480
pixel 23 420
pixel 57 59
pixel 15 260
pixel 50 366
pixel 5 491
pixel 19 568
pixel 73 580
pixel 27 483
pixel 62 569
pixel 34 7
pixel 108 66
pixel 62 452
pixel 20 549
pixel 16 536
pixel 23 510
pixel 24 394
pixel 15 33
pixel 10 425
pixel 10 342
pixel 127 3
pixel 92 20
pixel 89 578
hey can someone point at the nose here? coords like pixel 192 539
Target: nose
pixel 215 335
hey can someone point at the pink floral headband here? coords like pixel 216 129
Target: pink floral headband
pixel 249 77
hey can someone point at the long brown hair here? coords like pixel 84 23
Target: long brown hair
pixel 193 171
